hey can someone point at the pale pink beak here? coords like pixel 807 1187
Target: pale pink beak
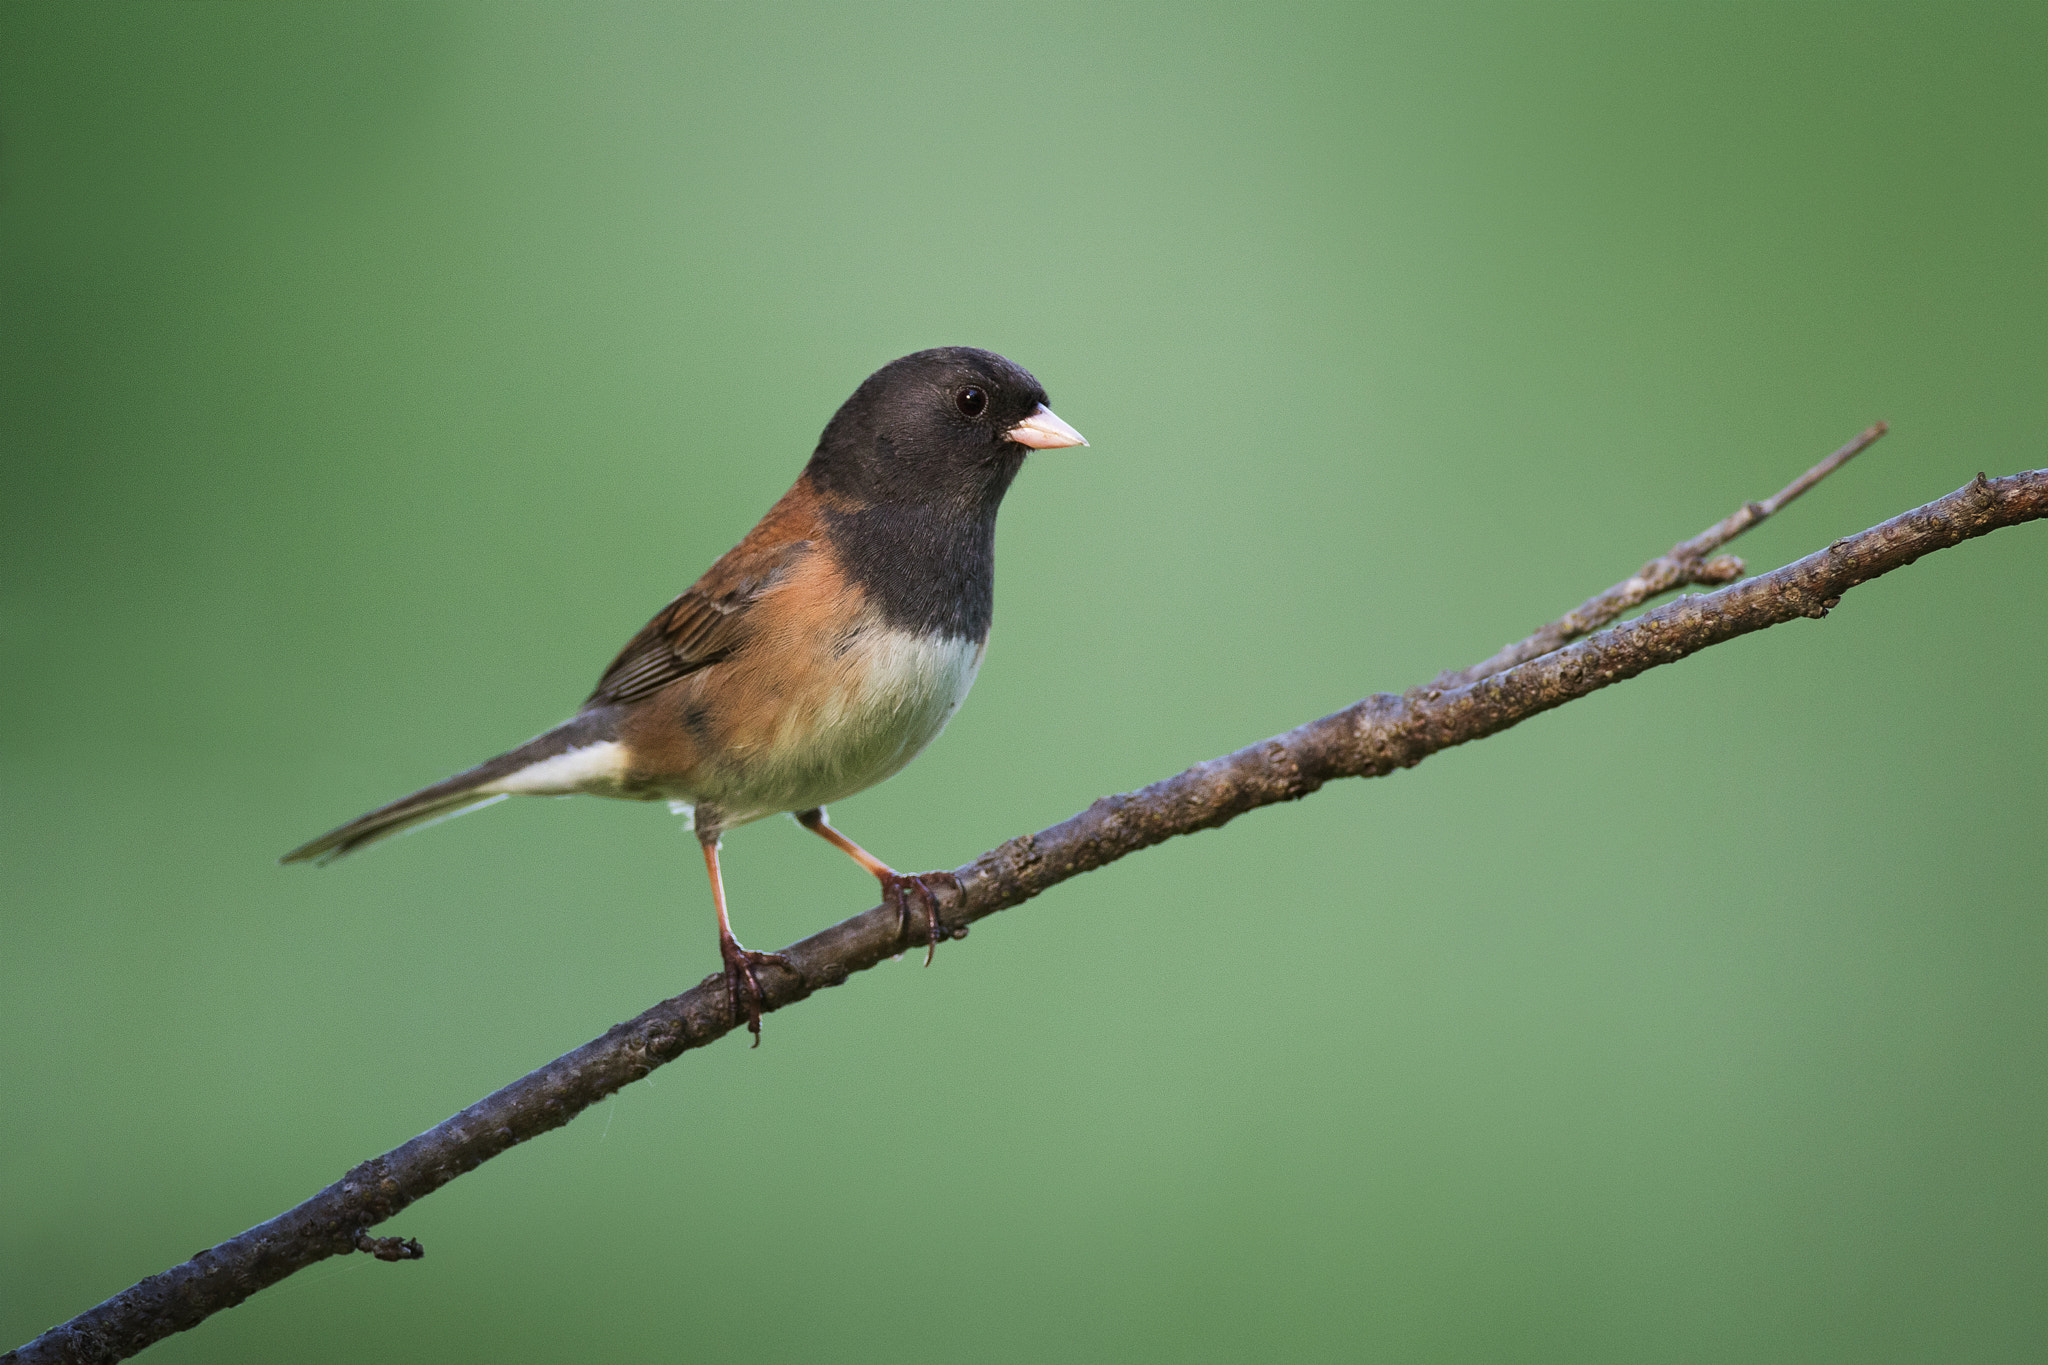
pixel 1043 430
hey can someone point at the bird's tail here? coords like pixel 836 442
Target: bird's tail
pixel 573 756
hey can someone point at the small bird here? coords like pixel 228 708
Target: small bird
pixel 816 657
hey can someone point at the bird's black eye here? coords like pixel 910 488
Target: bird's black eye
pixel 971 401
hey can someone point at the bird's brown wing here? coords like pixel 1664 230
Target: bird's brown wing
pixel 699 628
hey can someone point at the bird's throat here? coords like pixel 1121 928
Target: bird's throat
pixel 927 570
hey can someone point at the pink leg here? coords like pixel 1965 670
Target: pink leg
pixel 897 887
pixel 742 987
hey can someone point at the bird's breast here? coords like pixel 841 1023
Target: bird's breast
pixel 814 716
pixel 893 693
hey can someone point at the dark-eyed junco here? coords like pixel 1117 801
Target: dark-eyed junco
pixel 818 656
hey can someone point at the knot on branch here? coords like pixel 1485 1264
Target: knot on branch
pixel 1720 569
pixel 1377 743
pixel 389 1248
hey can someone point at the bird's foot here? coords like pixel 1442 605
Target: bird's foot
pixel 900 888
pixel 742 987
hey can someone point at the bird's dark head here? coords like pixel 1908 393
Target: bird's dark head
pixel 948 426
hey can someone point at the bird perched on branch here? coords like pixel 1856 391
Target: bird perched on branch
pixel 817 657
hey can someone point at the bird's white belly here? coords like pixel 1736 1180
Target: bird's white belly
pixel 889 694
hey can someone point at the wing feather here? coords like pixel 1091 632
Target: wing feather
pixel 698 629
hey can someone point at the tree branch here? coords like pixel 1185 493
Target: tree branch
pixel 1686 562
pixel 1370 738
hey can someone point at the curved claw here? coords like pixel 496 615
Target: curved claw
pixel 902 887
pixel 739 967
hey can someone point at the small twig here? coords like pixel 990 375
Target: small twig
pixel 389 1248
pixel 1683 563
pixel 1370 738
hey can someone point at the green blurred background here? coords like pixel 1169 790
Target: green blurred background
pixel 371 372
